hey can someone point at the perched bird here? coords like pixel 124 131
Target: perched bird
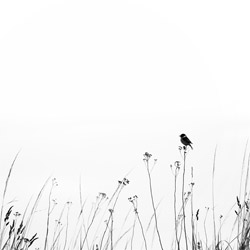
pixel 185 140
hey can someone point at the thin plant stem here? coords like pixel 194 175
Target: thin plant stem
pixel 4 193
pixel 177 167
pixel 153 203
pixel 192 213
pixel 111 230
pixel 120 237
pixel 134 201
pixel 91 222
pixel 48 215
pixel 133 233
pixel 183 200
pixel 205 228
pixel 47 223
pixel 67 225
pixel 106 228
pixel 121 185
pixel 242 170
pixel 143 234
pixel 244 195
pixel 213 194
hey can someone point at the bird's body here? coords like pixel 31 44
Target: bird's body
pixel 185 141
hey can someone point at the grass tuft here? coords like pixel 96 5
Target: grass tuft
pixel 100 227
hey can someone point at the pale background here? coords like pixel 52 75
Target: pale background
pixel 88 86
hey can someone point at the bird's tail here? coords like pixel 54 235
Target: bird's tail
pixel 190 146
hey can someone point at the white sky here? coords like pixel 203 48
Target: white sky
pixel 86 87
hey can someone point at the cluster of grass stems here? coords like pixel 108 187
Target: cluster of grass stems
pixel 96 230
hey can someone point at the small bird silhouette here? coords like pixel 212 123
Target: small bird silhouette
pixel 185 140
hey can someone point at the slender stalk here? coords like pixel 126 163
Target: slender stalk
pixel 242 170
pixel 47 223
pixel 91 222
pixel 105 210
pixel 111 229
pixel 122 236
pixel 205 229
pixel 213 195
pixel 241 179
pixel 152 200
pixel 177 167
pixel 133 233
pixel 56 240
pixel 183 200
pixel 143 234
pixel 134 201
pixel 117 192
pixel 48 214
pixel 192 214
pixel 4 193
pixel 106 228
pixel 33 209
pixel 67 225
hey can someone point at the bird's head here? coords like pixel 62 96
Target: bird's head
pixel 182 135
